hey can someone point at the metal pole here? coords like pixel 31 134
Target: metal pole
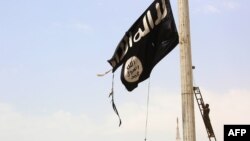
pixel 188 117
pixel 178 138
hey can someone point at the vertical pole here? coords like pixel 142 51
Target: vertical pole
pixel 188 117
pixel 178 138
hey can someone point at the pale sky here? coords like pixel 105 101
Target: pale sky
pixel 51 51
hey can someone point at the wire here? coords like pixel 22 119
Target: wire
pixel 193 68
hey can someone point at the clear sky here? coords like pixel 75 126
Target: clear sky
pixel 51 51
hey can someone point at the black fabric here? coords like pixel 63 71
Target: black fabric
pixel 149 40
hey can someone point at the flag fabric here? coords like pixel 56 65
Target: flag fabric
pixel 149 39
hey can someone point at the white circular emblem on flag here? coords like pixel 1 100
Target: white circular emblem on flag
pixel 132 69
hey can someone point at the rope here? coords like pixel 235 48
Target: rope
pixel 146 125
pixel 102 74
pixel 113 101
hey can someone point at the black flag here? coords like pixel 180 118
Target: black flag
pixel 149 40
